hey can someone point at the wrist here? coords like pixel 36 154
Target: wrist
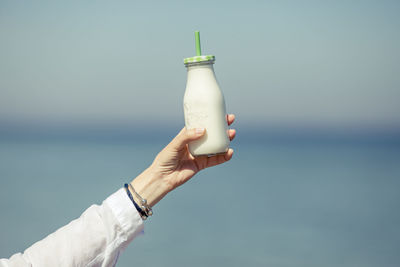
pixel 150 186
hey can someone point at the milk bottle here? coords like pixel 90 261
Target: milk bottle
pixel 204 105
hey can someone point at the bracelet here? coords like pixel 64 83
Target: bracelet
pixel 144 206
pixel 141 212
pixel 144 210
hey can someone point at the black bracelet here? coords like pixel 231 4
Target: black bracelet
pixel 141 212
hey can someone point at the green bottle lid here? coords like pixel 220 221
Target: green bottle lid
pixel 198 57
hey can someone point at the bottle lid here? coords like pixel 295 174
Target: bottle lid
pixel 199 57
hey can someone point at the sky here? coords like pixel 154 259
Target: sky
pixel 279 63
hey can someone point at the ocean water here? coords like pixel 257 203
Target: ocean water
pixel 276 203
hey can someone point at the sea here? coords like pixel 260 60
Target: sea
pixel 283 199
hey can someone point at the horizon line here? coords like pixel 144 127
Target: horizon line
pixel 247 132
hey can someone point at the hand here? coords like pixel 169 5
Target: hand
pixel 177 165
pixel 174 165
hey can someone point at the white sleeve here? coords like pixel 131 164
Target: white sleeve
pixel 94 239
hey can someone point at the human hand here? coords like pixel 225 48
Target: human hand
pixel 174 165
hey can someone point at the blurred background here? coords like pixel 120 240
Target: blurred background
pixel 90 91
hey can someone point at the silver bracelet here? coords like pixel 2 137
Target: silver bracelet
pixel 143 202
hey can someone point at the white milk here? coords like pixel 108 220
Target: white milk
pixel 204 107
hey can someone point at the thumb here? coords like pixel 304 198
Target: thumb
pixel 185 136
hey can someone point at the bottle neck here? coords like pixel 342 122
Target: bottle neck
pixel 200 73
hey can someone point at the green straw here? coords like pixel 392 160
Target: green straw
pixel 198 48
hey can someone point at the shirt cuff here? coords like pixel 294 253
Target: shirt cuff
pixel 126 213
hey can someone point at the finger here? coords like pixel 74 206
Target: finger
pixel 219 159
pixel 228 154
pixel 230 118
pixel 185 136
pixel 232 134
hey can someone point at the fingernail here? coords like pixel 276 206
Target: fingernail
pixel 199 131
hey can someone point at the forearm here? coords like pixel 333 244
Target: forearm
pixel 151 185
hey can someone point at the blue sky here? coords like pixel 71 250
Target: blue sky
pixel 312 63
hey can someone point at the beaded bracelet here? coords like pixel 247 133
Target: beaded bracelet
pixel 142 212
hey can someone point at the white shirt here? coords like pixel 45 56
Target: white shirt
pixel 94 239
